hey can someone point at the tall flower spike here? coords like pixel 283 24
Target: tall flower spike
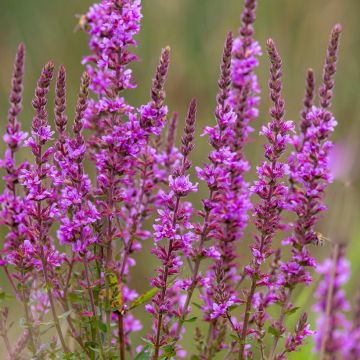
pixel 60 103
pixel 295 340
pixel 248 18
pixel 325 91
pixel 41 204
pixel 269 187
pixel 60 116
pixel 215 174
pixel 171 153
pixel 118 142
pixel 244 101
pixel 225 77
pixel 14 133
pixel 309 177
pixel 143 183
pixel 13 203
pixel 79 214
pixel 173 216
pixel 110 48
pixel 275 83
pixel 232 195
pixel 308 99
pixel 14 137
pixel 171 133
pixel 39 102
pixel 81 103
pixel 310 172
pixel 218 219
pixel 153 114
pixel 157 89
pixel 189 130
pixel 244 93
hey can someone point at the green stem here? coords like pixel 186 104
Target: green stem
pixel 93 308
pixel 52 305
pixel 25 301
pixel 281 321
pixel 121 336
pixel 247 318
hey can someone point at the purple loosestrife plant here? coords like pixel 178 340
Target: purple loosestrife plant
pixel 41 206
pixel 12 210
pixel 309 176
pixel 173 217
pixel 270 187
pixel 73 236
pixel 216 174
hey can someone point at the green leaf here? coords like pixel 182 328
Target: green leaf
pixel 65 314
pixel 11 324
pixel 194 357
pixel 92 346
pixel 73 356
pixel 274 331
pixel 148 342
pixel 233 307
pixel 5 296
pixel 257 277
pixel 197 305
pixel 102 326
pixel 145 354
pixel 75 297
pixel 47 323
pixel 169 350
pixel 191 319
pixel 143 298
pixel 292 310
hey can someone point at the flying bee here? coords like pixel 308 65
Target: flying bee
pixel 81 25
pixel 320 239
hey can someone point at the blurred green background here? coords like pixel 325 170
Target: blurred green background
pixel 195 30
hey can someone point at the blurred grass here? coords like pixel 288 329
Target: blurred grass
pixel 195 30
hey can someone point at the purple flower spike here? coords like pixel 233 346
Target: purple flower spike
pixel 174 215
pixel 325 91
pixel 153 115
pixel 112 26
pixel 217 176
pixel 60 103
pixel 269 186
pixel 14 136
pixel 309 176
pixel 308 100
pixel 295 340
pixel 79 213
